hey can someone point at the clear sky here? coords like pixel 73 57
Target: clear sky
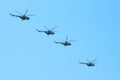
pixel 28 55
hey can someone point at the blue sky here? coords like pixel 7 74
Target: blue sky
pixel 28 55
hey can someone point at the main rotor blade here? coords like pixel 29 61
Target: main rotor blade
pixel 30 15
pixel 87 60
pixel 60 40
pixel 18 12
pixel 71 40
pixel 26 12
pixel 46 27
pixel 66 38
pixel 55 31
pixel 93 60
pixel 53 28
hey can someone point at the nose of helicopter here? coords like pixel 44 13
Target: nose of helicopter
pixel 69 43
pixel 28 18
pixel 53 33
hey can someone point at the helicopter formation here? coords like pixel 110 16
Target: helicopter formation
pixel 52 32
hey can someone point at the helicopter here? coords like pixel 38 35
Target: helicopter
pixel 22 16
pixel 65 43
pixel 89 63
pixel 48 31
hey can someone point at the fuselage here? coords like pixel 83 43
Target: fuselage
pixel 24 17
pixel 90 64
pixel 49 32
pixel 66 43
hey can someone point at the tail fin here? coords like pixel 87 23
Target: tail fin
pixel 37 30
pixel 55 42
pixel 12 14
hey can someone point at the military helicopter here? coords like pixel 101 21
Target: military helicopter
pixel 65 43
pixel 22 16
pixel 48 31
pixel 89 63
